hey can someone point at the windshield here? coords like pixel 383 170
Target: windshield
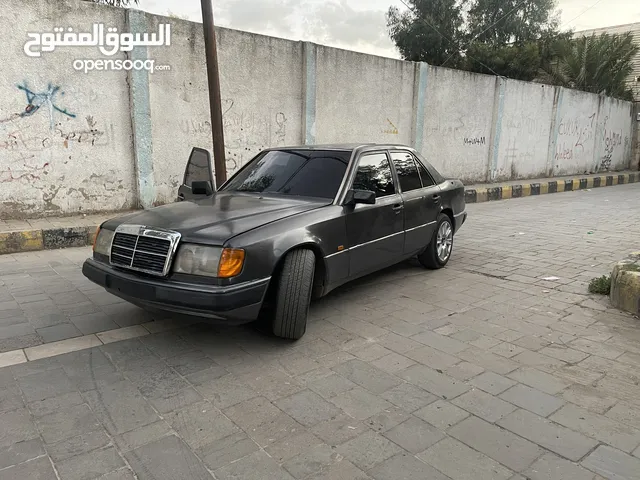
pixel 309 173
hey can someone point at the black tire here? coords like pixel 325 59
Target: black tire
pixel 429 257
pixel 293 294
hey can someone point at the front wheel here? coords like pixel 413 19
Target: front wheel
pixel 293 294
pixel 438 252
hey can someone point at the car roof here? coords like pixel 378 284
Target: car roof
pixel 341 146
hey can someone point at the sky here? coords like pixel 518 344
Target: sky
pixel 359 24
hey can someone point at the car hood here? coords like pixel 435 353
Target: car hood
pixel 219 218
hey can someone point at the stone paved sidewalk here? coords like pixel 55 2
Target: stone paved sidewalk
pixel 482 370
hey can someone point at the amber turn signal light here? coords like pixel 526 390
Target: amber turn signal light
pixel 95 238
pixel 231 262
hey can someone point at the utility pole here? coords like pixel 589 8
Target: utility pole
pixel 215 102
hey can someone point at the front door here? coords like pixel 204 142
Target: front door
pixel 375 232
pixel 421 199
pixel 199 171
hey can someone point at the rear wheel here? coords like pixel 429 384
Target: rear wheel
pixel 293 294
pixel 438 252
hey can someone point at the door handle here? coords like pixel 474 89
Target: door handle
pixel 436 198
pixel 398 208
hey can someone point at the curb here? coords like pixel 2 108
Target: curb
pixel 488 194
pixel 55 238
pixel 625 284
pixel 47 239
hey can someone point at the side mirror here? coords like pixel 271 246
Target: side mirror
pixel 360 196
pixel 201 188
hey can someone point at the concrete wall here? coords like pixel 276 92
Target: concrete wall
pixel 52 161
pixel 82 142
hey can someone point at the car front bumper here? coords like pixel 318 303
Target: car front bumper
pixel 233 304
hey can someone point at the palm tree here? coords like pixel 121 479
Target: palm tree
pixel 597 64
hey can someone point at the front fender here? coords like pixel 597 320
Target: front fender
pixel 322 230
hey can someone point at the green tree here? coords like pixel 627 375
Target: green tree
pixel 598 64
pixel 510 37
pixel 429 31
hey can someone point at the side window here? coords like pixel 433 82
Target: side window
pixel 198 167
pixel 427 181
pixel 408 175
pixel 374 173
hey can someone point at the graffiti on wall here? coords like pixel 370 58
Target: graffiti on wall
pixel 245 132
pixel 44 100
pixel 611 139
pixel 575 136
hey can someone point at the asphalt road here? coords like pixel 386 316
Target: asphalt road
pixel 482 370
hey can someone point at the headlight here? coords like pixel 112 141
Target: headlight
pixel 208 261
pixel 102 244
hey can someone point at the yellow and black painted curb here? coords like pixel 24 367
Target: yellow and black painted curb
pixel 477 195
pixel 46 239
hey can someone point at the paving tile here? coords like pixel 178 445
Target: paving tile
pixel 292 446
pixel 359 403
pixel 540 380
pixel 227 450
pixel 58 332
pixel 64 424
pixel 433 382
pixel 311 461
pixel 409 397
pixel 483 405
pixel 598 427
pixel 551 466
pixel 613 464
pixel 331 385
pixel 533 400
pixel 464 370
pixel 21 452
pixel 589 398
pixel 90 465
pixel 367 376
pixel 338 430
pixel 488 360
pixel 308 408
pixel 414 435
pixel 458 461
pixel 151 462
pixel 549 435
pixel 492 383
pixel 405 467
pixel 440 342
pixel 256 466
pixel 40 386
pixel 343 470
pixel 120 407
pixel 10 358
pixel 431 357
pixel 442 414
pixel 201 424
pixel 142 435
pixel 93 323
pixel 61 347
pixel 38 469
pixel 368 450
pixel 503 446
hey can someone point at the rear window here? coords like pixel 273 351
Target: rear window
pixel 309 173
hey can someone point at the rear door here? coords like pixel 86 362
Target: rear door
pixel 421 198
pixel 375 231
pixel 198 170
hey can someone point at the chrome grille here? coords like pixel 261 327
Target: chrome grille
pixel 143 249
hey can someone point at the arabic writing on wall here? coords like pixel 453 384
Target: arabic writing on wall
pixel 575 137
